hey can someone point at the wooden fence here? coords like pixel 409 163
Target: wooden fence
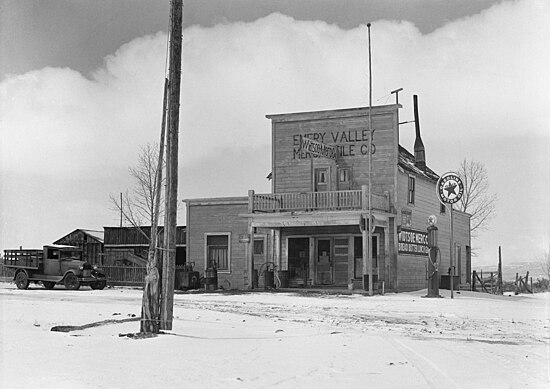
pixel 125 275
pixel 522 285
pixel 491 284
pixel 116 275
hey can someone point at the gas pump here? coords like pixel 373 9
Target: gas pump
pixel 433 272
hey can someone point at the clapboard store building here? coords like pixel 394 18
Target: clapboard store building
pixel 310 226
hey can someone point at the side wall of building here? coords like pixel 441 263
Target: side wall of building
pixel 412 273
pixel 221 217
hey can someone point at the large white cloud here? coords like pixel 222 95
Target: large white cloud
pixel 478 79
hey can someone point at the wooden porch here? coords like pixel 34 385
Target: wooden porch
pixel 318 201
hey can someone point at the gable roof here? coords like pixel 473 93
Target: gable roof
pixel 97 235
pixel 406 161
pixel 94 235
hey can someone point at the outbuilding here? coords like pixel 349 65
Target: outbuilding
pixel 90 241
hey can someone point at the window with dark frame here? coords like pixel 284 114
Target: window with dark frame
pixel 442 208
pixel 411 189
pixel 218 251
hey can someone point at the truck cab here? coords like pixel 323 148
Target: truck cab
pixel 60 259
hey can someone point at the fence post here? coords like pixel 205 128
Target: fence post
pixel 492 292
pixel 474 281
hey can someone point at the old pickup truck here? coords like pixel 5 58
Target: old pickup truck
pixel 54 264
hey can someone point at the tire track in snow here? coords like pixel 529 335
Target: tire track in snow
pixel 435 377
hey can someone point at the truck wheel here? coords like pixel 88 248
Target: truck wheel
pixel 98 285
pixel 48 284
pixel 71 282
pixel 22 280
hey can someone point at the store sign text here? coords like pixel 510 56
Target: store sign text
pixel 413 242
pixel 347 143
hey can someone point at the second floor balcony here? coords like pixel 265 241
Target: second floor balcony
pixel 342 200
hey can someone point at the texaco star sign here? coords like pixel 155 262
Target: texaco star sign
pixel 449 188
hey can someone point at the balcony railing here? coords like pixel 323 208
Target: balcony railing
pixel 318 201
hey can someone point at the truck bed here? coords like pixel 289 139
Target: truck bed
pixel 28 259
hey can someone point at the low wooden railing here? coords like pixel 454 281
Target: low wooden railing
pixel 316 201
pixel 124 275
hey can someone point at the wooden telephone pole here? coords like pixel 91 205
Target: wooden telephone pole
pixel 170 221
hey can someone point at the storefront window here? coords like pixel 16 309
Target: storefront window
pixel 218 251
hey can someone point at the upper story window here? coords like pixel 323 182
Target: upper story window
pixel 322 176
pixel 218 251
pixel 411 191
pixel 442 208
pixel 344 179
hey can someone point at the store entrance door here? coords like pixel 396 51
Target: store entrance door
pixel 298 261
pixel 323 261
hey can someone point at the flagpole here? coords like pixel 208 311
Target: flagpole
pixel 369 233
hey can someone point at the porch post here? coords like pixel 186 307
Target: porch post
pixel 277 248
pixel 250 244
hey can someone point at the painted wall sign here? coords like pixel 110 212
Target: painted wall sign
pixel 317 148
pixel 344 143
pixel 413 242
pixel 449 188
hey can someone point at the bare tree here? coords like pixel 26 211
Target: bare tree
pixel 476 200
pixel 137 206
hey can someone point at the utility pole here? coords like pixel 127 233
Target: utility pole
pixel 169 262
pixel 150 303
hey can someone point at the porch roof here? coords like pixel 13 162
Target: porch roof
pixel 310 219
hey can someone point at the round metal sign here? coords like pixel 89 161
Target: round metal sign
pixel 449 188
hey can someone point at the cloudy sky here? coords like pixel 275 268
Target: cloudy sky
pixel 81 90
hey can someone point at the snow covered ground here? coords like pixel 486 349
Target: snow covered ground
pixel 276 340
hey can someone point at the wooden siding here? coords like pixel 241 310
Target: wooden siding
pixel 133 236
pixel 221 218
pixel 345 129
pixel 411 268
pixel 92 249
